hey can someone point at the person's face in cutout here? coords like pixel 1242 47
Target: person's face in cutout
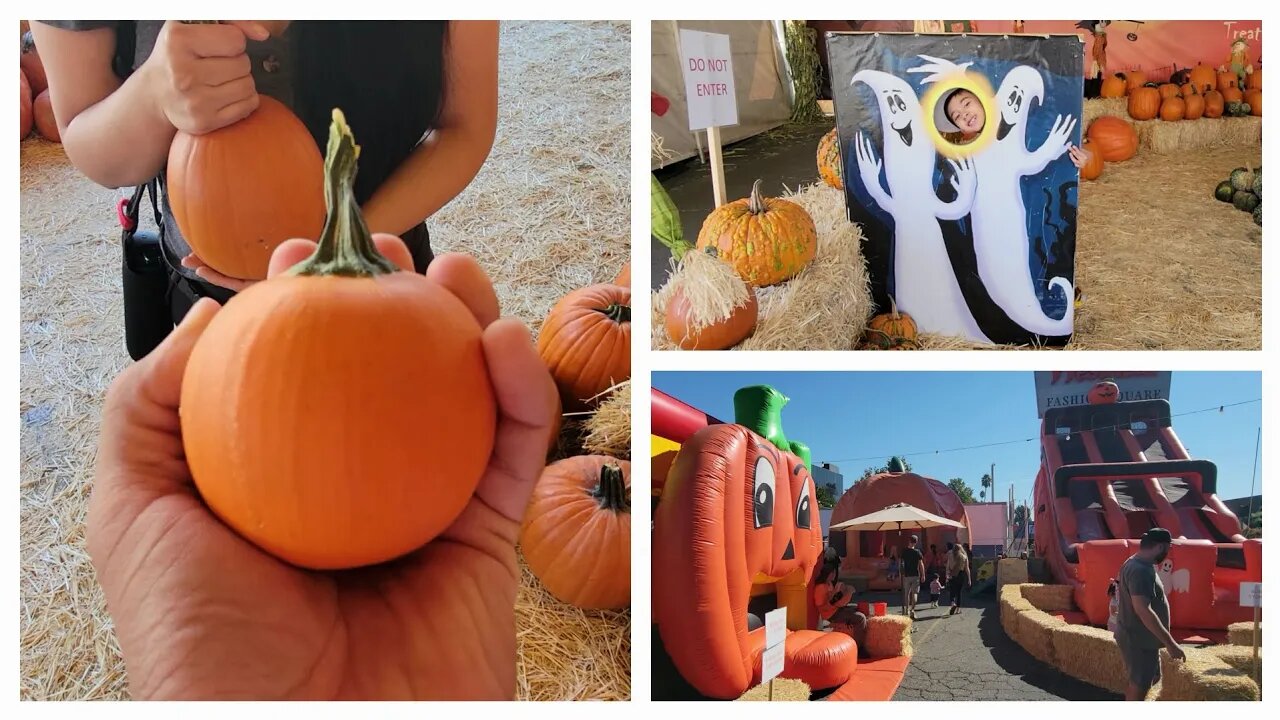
pixel 965 110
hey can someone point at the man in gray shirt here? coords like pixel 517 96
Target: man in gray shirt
pixel 1143 623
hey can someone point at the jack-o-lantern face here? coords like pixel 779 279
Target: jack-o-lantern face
pixel 1104 393
pixel 734 509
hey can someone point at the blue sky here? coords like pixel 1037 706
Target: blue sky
pixel 859 419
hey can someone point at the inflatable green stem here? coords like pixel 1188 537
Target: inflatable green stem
pixel 801 451
pixel 759 409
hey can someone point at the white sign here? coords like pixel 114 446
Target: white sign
pixel 1251 594
pixel 775 627
pixel 772 662
pixel 708 79
pixel 1063 389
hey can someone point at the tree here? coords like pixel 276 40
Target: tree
pixel 1021 516
pixel 826 496
pixel 987 484
pixel 1253 528
pixel 962 489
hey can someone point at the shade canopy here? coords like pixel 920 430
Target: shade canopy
pixel 897 517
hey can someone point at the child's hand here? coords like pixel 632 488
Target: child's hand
pixel 1079 156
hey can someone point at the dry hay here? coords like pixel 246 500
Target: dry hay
pixel 1034 632
pixel 548 213
pixel 1089 654
pixel 1012 604
pixel 889 636
pixel 1049 598
pixel 1203 676
pixel 1102 107
pixel 784 690
pixel 1239 657
pixel 608 429
pixel 825 307
pixel 1158 136
pixel 1011 571
pixel 1241 633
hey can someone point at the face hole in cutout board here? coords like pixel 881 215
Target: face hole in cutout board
pixel 973 236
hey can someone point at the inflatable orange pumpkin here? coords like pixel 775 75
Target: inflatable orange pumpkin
pixel 736 510
pixel 1104 393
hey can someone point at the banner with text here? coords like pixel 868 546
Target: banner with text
pixel 1062 389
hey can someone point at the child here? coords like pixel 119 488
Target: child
pixel 960 118
pixel 892 573
pixel 1113 606
pixel 935 589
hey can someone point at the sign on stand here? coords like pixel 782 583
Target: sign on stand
pixel 708 83
pixel 775 642
pixel 1251 596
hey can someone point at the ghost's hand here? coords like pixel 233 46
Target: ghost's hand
pixel 965 180
pixel 1060 136
pixel 869 169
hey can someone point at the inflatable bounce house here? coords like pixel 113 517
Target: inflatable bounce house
pixel 736 533
pixel 955 154
pixel 1110 470
pixel 866 553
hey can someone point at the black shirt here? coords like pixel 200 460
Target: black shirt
pixel 911 559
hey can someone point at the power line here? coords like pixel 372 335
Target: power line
pixel 1218 408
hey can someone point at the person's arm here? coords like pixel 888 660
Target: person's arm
pixel 446 162
pixel 118 133
pixel 920 566
pixel 1142 608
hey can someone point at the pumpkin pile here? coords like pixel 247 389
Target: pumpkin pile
pixel 1206 93
pixel 36 106
pixel 1243 189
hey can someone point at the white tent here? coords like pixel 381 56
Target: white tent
pixel 760 80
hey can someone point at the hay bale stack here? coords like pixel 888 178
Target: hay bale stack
pixel 1101 107
pixel 825 307
pixel 1011 571
pixel 1034 632
pixel 1240 658
pixel 889 636
pixel 784 690
pixel 1011 605
pixel 1049 598
pixel 608 429
pixel 1204 676
pixel 1090 654
pixel 1241 633
pixel 1162 137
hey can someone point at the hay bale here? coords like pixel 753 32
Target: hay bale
pixel 608 429
pixel 1100 107
pixel 1240 658
pixel 1241 633
pixel 889 636
pixel 1162 137
pixel 825 307
pixel 1090 654
pixel 1049 598
pixel 1011 571
pixel 1033 630
pixel 1203 676
pixel 784 690
pixel 1011 604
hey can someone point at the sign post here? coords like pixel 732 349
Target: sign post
pixel 708 83
pixel 775 636
pixel 1251 596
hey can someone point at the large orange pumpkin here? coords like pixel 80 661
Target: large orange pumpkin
pixel 1254 99
pixel 624 276
pixel 767 240
pixel 576 534
pixel 1144 103
pixel 340 414
pixel 1214 104
pixel 240 191
pixel 27 117
pixel 1114 138
pixel 1253 81
pixel 1203 77
pixel 685 331
pixel 1168 90
pixel 32 65
pixel 1195 107
pixel 586 343
pixel 737 510
pixel 1172 109
pixel 1232 94
pixel 829 160
pixel 1092 169
pixel 1228 80
pixel 46 123
pixel 1135 79
pixel 1113 87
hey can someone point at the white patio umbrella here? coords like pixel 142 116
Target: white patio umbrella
pixel 897 517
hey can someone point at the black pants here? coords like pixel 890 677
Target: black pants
pixel 955 587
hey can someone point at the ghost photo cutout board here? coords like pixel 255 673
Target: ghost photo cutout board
pixel 956 166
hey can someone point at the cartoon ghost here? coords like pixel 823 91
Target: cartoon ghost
pixel 1174 580
pixel 999 216
pixel 923 280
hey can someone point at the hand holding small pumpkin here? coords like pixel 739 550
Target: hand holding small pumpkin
pixel 202 613
pixel 1079 156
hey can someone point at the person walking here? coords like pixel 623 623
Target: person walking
pixel 1142 622
pixel 912 572
pixel 957 574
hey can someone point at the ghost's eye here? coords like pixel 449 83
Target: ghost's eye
pixel 901 105
pixel 802 509
pixel 893 104
pixel 763 493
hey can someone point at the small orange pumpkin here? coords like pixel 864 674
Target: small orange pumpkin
pixel 1253 81
pixel 1103 393
pixel 1172 109
pixel 46 123
pixel 576 534
pixel 1232 94
pixel 624 276
pixel 1115 139
pixel 1228 80
pixel 1092 169
pixel 829 159
pixel 240 191
pixel 1113 87
pixel 27 118
pixel 1254 99
pixel 1135 79
pixel 1195 107
pixel 767 240
pixel 32 65
pixel 891 331
pixel 340 414
pixel 1214 104
pixel 1168 90
pixel 586 343
pixel 719 335
pixel 1203 77
pixel 1144 103
pixel 1188 90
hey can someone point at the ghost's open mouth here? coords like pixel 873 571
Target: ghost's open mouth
pixel 904 132
pixel 1004 129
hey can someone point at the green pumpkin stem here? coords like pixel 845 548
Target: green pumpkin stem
pixel 756 202
pixel 612 490
pixel 346 247
pixel 893 309
pixel 617 313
